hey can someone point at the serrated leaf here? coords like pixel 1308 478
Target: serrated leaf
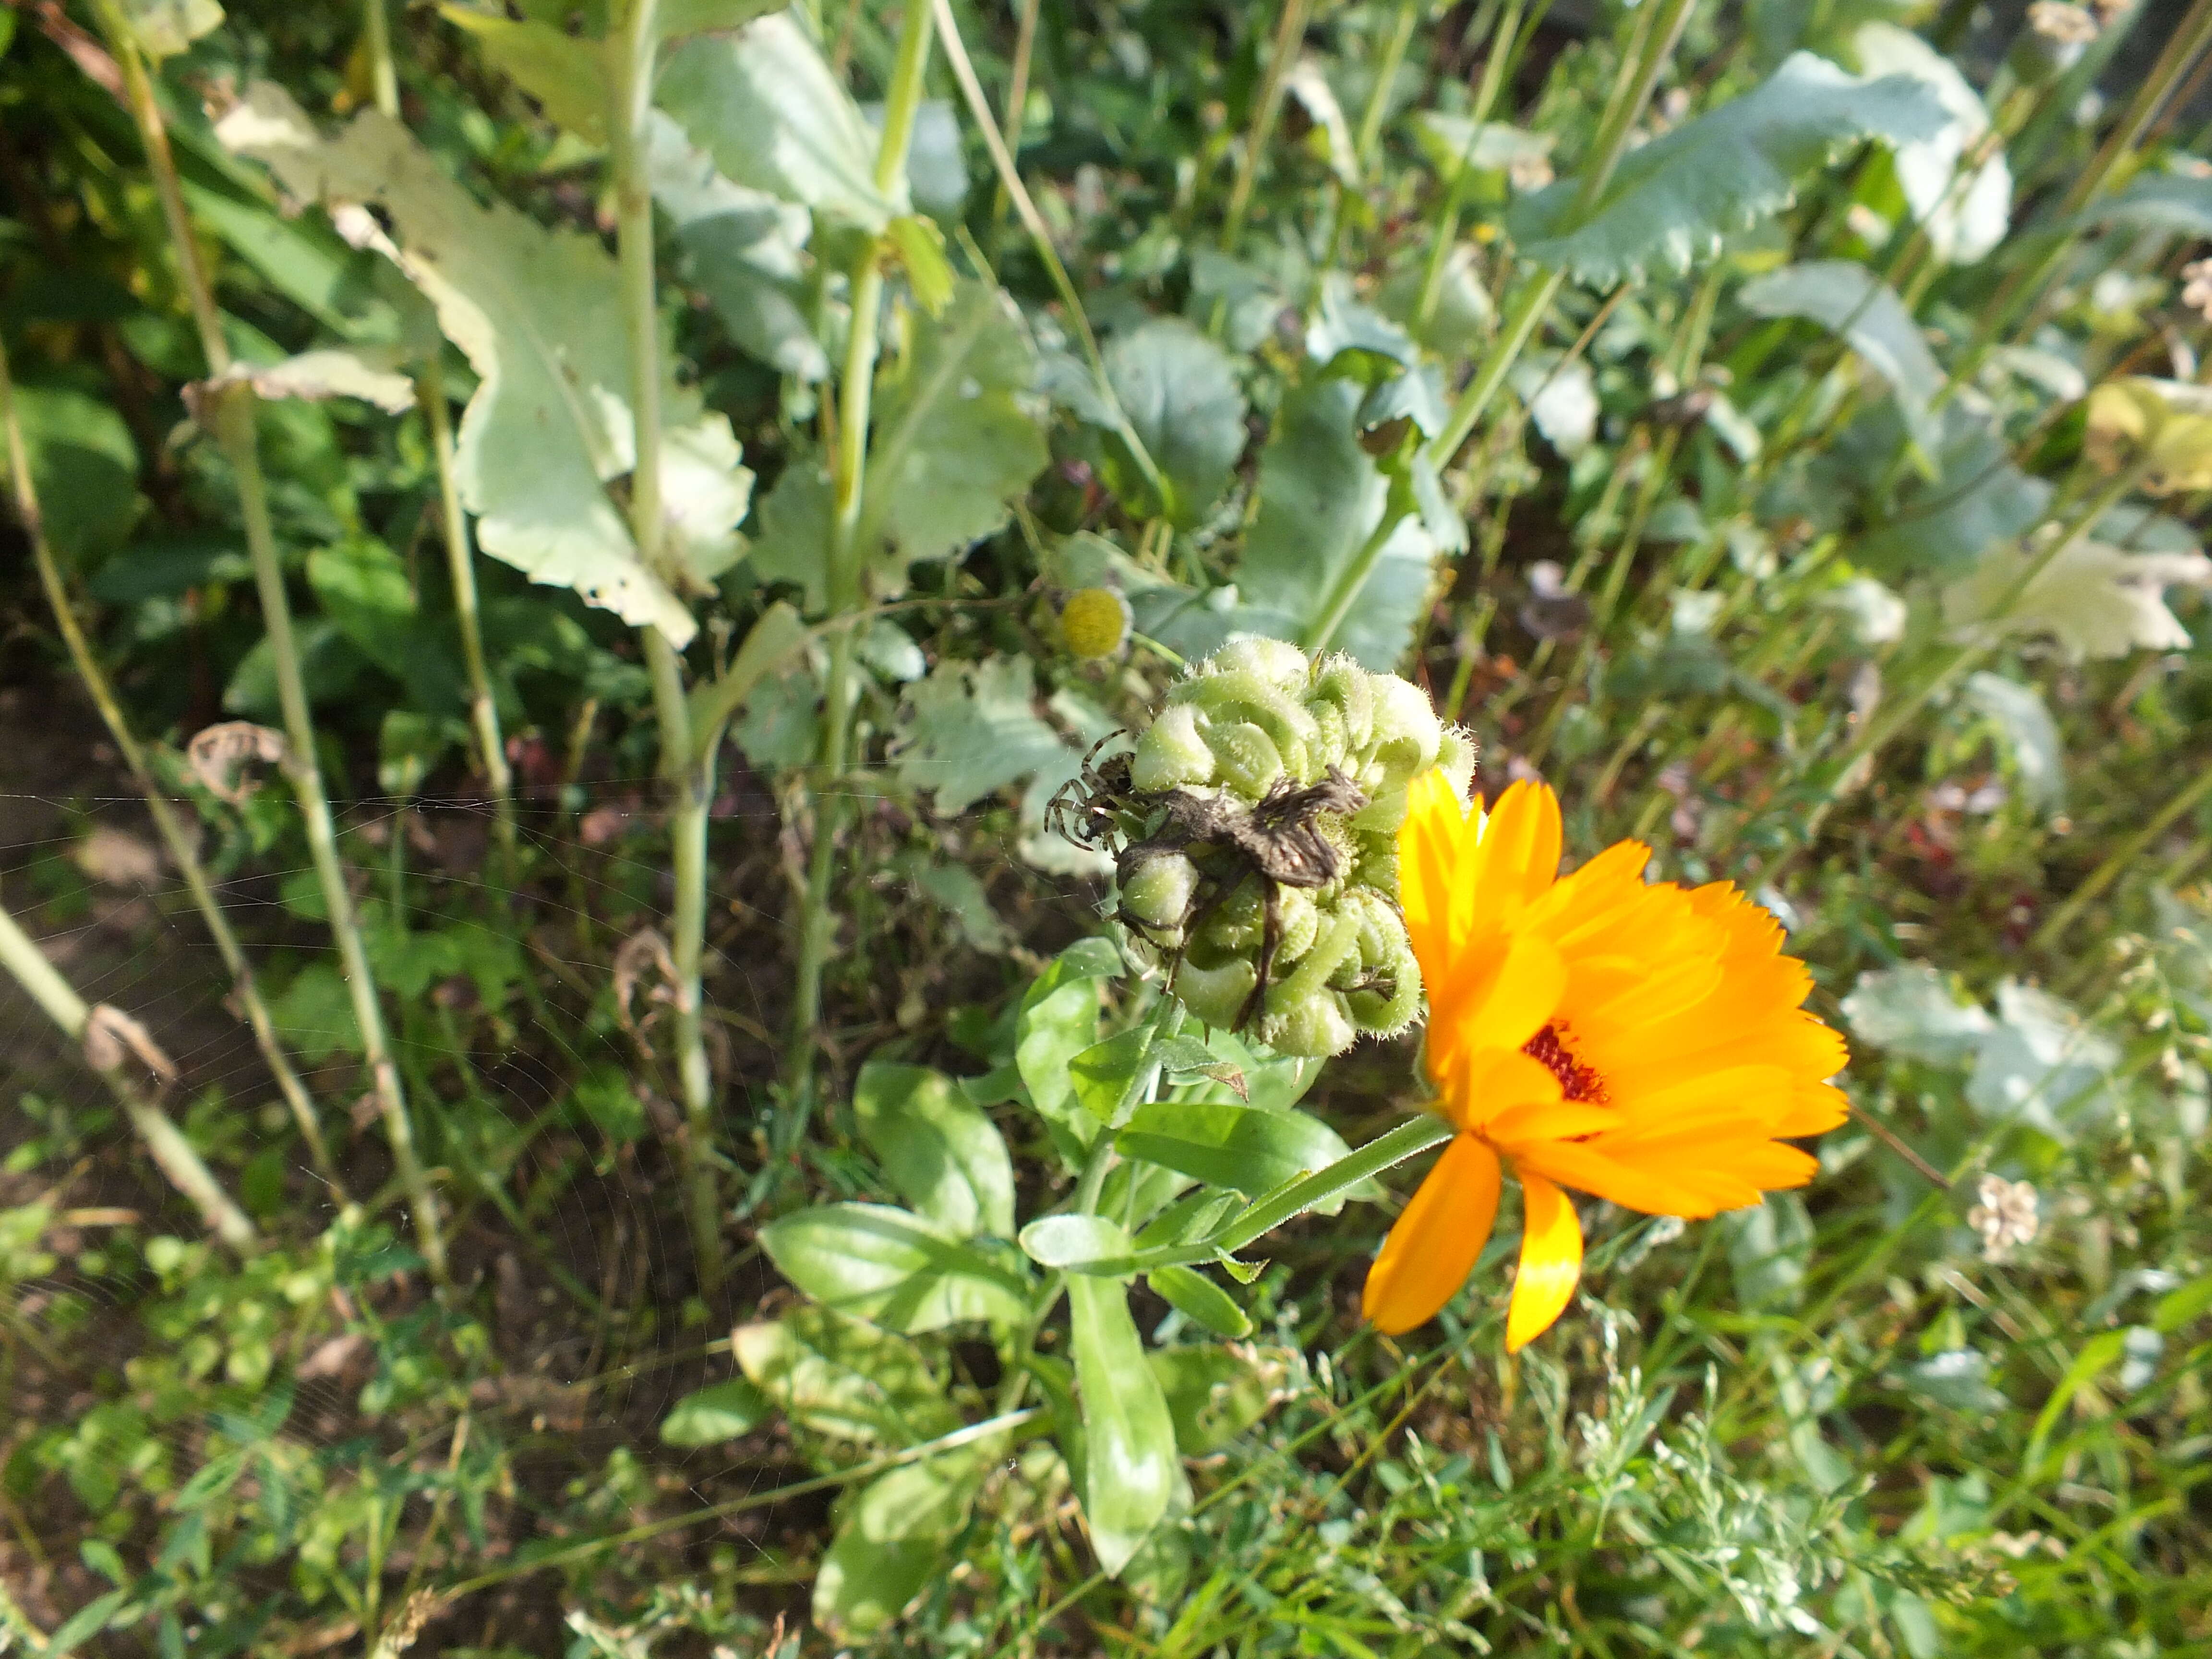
pixel 839 1377
pixel 890 1268
pixel 719 1412
pixel 893 1535
pixel 1076 1241
pixel 742 247
pixel 535 311
pixel 971 729
pixel 940 1151
pixel 1847 299
pixel 1670 204
pixel 1179 391
pixel 1130 1468
pixel 2096 601
pixel 1320 496
pixel 765 105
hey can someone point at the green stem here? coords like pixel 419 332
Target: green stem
pixel 687 773
pixel 1346 589
pixel 848 487
pixel 1290 34
pixel 1392 1146
pixel 384 78
pixel 2121 860
pixel 21 955
pixel 1446 232
pixel 1386 77
pixel 182 852
pixel 483 709
pixel 234 432
pixel 1514 333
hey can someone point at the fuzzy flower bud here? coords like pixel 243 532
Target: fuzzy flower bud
pixel 1257 824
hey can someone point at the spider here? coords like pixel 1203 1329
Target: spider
pixel 1085 812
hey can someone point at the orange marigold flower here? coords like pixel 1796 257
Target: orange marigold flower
pixel 1640 1041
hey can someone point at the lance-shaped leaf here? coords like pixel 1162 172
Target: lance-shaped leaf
pixel 839 1377
pixel 766 107
pixel 891 1267
pixel 743 248
pixel 1247 1148
pixel 535 311
pixel 1129 1463
pixel 1849 300
pixel 1670 203
pixel 893 1536
pixel 939 1150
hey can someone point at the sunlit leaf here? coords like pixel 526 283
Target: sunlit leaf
pixel 836 1376
pixel 1130 1465
pixel 1848 299
pixel 940 1151
pixel 891 1267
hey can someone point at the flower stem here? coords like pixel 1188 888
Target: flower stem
pixel 233 424
pixel 849 480
pixel 21 955
pixel 181 850
pixel 688 772
pixel 1289 36
pixel 384 78
pixel 1386 77
pixel 1446 235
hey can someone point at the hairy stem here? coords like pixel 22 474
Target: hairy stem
pixel 233 424
pixel 182 852
pixel 21 955
pixel 849 482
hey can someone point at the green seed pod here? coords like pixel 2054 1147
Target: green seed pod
pixel 1173 754
pixel 1095 621
pixel 1156 889
pixel 1216 995
pixel 1248 760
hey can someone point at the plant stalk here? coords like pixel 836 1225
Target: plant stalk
pixel 849 482
pixel 1445 236
pixel 687 773
pixel 182 852
pixel 234 432
pixel 2122 859
pixel 384 77
pixel 165 1142
pixel 1289 34
pixel 1386 77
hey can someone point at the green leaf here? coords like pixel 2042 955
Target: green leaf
pixel 839 1377
pixel 1198 1298
pixel 537 312
pixel 1670 204
pixel 941 1152
pixel 771 642
pixel 331 371
pixel 409 747
pixel 1059 1020
pixel 766 107
pixel 719 1412
pixel 951 444
pixel 1942 527
pixel 971 729
pixel 920 245
pixel 1320 497
pixel 891 1267
pixel 1847 299
pixel 2171 202
pixel 1129 1439
pixel 2031 735
pixel 88 1620
pixel 1214 1395
pixel 1242 1147
pixel 1104 1076
pixel 1076 1241
pixel 85 466
pixel 743 248
pixel 1449 143
pixel 165 27
pixel 893 1536
pixel 1179 391
pixel 678 18
pixel 566 74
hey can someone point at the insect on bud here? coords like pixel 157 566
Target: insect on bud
pixel 1256 825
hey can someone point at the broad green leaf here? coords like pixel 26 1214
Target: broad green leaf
pixel 678 18
pixel 1671 203
pixel 165 27
pixel 2179 202
pixel 1105 1075
pixel 1979 499
pixel 1198 1297
pixel 1130 1468
pixel 1449 142
pixel 771 642
pixel 1243 1147
pixel 85 465
pixel 743 248
pixel 353 291
pixel 1847 299
pixel 1910 1010
pixel 839 1377
pixel 719 1412
pixel 944 1155
pixel 2096 601
pixel 2166 424
pixel 2021 716
pixel 1958 1380
pixel 1214 1394
pixel 891 1267
pixel 952 443
pixel 2040 1064
pixel 893 1535
pixel 1320 497
pixel 363 588
pixel 1965 219
pixel 537 312
pixel 1344 322
pixel 1074 1241
pixel 765 105
pixel 1179 389
pixel 1059 1020
pixel 409 747
pixel 566 74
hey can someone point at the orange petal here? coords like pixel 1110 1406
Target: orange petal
pixel 1521 847
pixel 1521 995
pixel 1488 1083
pixel 1644 1185
pixel 1432 1249
pixel 1551 1261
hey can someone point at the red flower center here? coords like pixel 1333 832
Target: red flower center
pixel 1577 1082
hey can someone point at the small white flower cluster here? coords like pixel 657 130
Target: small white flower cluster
pixel 2007 1217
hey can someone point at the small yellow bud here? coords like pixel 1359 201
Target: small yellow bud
pixel 1095 621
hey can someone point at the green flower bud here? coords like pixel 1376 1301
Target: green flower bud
pixel 1248 761
pixel 1216 995
pixel 1157 890
pixel 1172 755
